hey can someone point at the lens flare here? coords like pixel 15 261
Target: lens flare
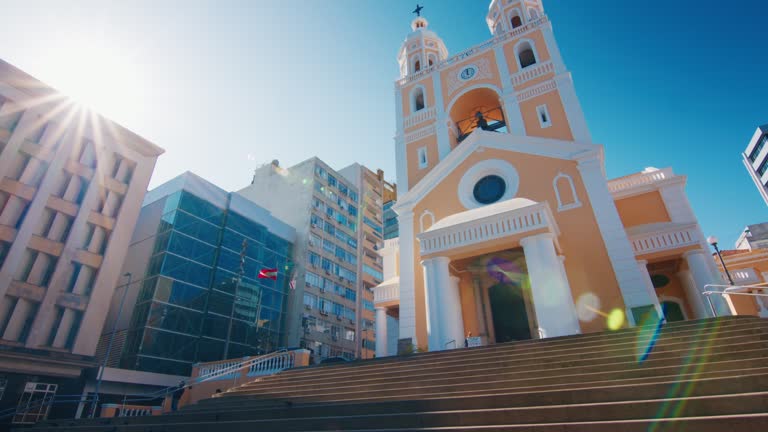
pixel 588 307
pixel 615 319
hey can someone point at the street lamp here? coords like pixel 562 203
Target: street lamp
pixel 713 241
pixel 109 345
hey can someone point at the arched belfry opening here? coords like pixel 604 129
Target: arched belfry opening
pixel 478 108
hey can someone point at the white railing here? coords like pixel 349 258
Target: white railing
pixel 532 72
pixel 477 49
pixel 419 117
pixel 641 179
pixel 392 243
pixel 663 240
pixel 386 293
pixel 485 229
pixel 725 291
pixel 128 411
pixel 264 365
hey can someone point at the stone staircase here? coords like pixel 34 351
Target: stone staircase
pixel 706 375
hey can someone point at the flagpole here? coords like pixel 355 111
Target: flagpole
pixel 234 299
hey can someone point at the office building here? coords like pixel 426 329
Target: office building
pixel 194 261
pixel 754 236
pixel 755 158
pixel 71 186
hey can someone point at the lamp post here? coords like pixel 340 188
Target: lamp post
pixel 713 241
pixel 109 345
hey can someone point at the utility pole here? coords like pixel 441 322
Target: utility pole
pixel 234 298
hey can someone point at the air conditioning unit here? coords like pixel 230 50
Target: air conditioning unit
pixel 338 317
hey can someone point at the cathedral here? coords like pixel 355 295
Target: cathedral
pixel 509 228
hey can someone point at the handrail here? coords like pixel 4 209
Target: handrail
pixel 730 289
pixel 56 400
pixel 451 342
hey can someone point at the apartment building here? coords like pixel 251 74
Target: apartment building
pixel 755 158
pixel 71 186
pixel 325 311
pixel 372 187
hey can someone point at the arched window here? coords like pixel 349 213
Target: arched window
pixel 526 55
pixel 432 59
pixel 565 192
pixel 516 21
pixel 426 220
pixel 417 66
pixel 533 13
pixel 673 310
pixel 417 99
pixel 415 63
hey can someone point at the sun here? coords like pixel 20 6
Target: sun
pixel 97 76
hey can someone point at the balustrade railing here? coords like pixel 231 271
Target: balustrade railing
pixel 386 293
pixel 419 117
pixel 532 72
pixel 489 228
pixel 663 240
pixel 472 51
pixel 641 179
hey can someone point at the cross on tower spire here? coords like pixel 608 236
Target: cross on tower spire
pixel 418 9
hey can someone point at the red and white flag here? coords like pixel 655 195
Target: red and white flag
pixel 292 283
pixel 268 273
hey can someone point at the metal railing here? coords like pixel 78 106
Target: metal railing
pixel 494 118
pixel 732 290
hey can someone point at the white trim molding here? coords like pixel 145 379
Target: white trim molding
pixel 424 214
pixel 480 170
pixel 570 205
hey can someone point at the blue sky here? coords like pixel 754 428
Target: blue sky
pixel 228 85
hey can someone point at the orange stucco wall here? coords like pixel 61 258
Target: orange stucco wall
pixel 642 209
pixel 412 153
pixel 450 73
pixel 429 95
pixel 540 48
pixel 587 263
pixel 560 129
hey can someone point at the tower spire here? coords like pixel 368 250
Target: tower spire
pixel 418 9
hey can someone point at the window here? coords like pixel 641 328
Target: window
pixel 417 99
pixel 417 66
pixel 373 272
pixel 533 13
pixel 34 403
pixel 310 301
pixel 332 180
pixel 489 189
pixel 525 54
pixel 516 21
pixel 423 157
pixel 756 151
pixel 763 167
pixel 432 60
pixel 545 120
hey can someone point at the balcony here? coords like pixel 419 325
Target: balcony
pixel 648 239
pixel 645 178
pixel 387 292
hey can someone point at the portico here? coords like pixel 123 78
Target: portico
pixel 512 224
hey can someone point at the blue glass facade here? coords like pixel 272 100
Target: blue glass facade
pixel 193 284
pixel 391 229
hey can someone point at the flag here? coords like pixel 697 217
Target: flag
pixel 268 273
pixel 292 283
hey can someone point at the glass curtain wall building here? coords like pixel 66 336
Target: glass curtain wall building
pixel 201 275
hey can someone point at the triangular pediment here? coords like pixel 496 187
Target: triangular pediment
pixel 545 147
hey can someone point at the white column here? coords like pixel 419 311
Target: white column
pixel 453 297
pixel 407 277
pixel 643 266
pixel 551 292
pixel 694 297
pixel 572 107
pixel 702 276
pixel 614 235
pixel 440 310
pixel 381 332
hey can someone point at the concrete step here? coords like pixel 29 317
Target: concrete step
pixel 540 352
pixel 659 356
pixel 727 362
pixel 721 405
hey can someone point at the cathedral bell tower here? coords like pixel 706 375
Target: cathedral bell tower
pixel 515 83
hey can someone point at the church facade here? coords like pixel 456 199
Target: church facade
pixel 509 228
